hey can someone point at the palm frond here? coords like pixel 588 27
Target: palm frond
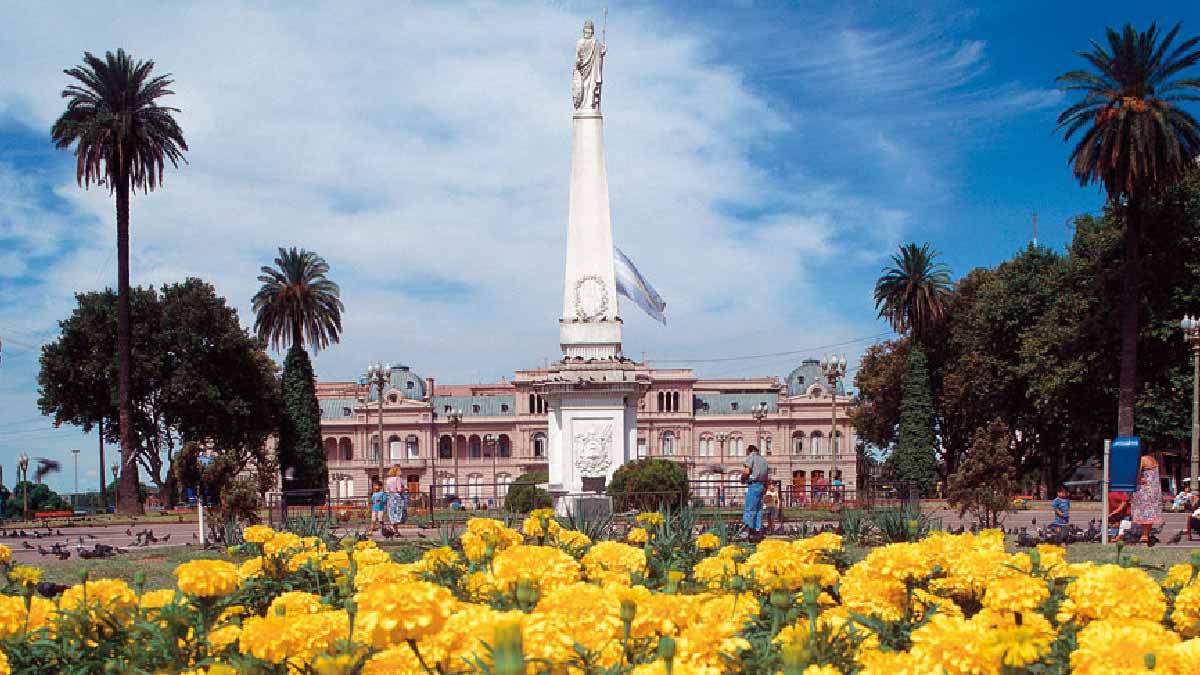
pixel 297 303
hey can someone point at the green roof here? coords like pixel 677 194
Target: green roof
pixel 498 405
pixel 337 408
pixel 734 404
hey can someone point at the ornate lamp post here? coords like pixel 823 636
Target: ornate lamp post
pixel 455 417
pixel 1191 334
pixel 23 472
pixel 116 468
pixel 760 413
pixel 377 376
pixel 834 367
pixel 493 443
pixel 75 501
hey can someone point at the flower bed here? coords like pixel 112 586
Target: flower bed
pixel 546 599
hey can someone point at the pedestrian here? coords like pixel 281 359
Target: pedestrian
pixel 1147 500
pixel 378 505
pixel 771 505
pixel 754 475
pixel 1062 509
pixel 1193 524
pixel 397 497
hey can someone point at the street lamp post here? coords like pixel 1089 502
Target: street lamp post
pixel 455 417
pixel 834 367
pixel 721 438
pixel 377 376
pixel 116 468
pixel 491 441
pixel 760 413
pixel 23 470
pixel 75 501
pixel 1191 334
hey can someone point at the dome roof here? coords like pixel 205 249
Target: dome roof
pixel 806 375
pixel 404 383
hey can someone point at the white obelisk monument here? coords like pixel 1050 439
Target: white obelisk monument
pixel 594 390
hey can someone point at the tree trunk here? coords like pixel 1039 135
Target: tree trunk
pixel 103 492
pixel 127 489
pixel 1129 319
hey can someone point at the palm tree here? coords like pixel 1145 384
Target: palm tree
pixel 122 139
pixel 1137 141
pixel 297 303
pixel 911 295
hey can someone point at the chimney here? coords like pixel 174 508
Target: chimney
pixel 429 388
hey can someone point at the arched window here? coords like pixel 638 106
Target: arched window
pixel 675 401
pixel 816 443
pixel 346 449
pixel 474 486
pixel 476 447
pixel 705 449
pixel 668 443
pixel 413 445
pixel 798 443
pixel 539 445
pixel 661 406
pixel 835 444
pixel 374 448
pixel 445 448
pixel 395 448
pixel 505 446
pixel 735 446
pixel 331 449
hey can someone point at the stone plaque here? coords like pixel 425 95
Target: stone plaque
pixel 593 484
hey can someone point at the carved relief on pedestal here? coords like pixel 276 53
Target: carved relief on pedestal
pixel 591 450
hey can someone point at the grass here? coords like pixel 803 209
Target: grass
pixel 157 565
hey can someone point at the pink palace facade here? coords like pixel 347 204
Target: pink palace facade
pixel 705 425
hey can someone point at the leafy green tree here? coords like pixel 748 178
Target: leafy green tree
pixel 984 484
pixel 525 495
pixel 298 303
pixel 875 413
pixel 914 458
pixel 649 484
pixel 1137 141
pixel 199 376
pixel 122 140
pixel 41 498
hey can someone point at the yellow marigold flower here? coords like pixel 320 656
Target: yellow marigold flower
pixel 546 566
pixel 5 554
pixel 892 663
pixel 5 669
pixel 390 614
pixel 733 552
pixel 388 572
pixel 233 611
pixel 334 664
pixel 303 558
pixel 294 603
pixel 479 586
pixel 572 539
pixel 638 535
pixel 371 556
pixel 157 599
pixel 250 569
pixel 714 572
pixel 464 636
pixel 825 542
pixel 708 542
pixel 106 600
pixel 207 578
pixel 1016 643
pixel 782 568
pixel 613 561
pixel 1178 576
pixel 295 639
pixel 1186 616
pixel 650 518
pixel 582 613
pixel 1121 646
pixel 1113 592
pixel 441 557
pixel 25 575
pixel 821 670
pixel 954 644
pixel 258 534
pixel 540 523
pixel 399 659
pixel 12 616
pixel 1016 593
pixel 223 637
pixel 281 542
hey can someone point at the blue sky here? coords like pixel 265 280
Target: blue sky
pixel 764 158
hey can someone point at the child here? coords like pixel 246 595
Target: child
pixel 1062 509
pixel 378 505
pixel 771 505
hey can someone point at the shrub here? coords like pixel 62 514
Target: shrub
pixel 524 495
pixel 649 484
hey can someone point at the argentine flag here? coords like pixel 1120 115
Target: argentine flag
pixel 631 284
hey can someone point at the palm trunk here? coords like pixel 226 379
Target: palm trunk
pixel 1129 319
pixel 127 492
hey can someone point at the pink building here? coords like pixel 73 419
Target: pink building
pixel 488 434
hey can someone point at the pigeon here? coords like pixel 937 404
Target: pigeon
pixel 1024 539
pixel 58 533
pixel 49 589
pixel 165 538
pixel 63 555
pixel 25 545
pixel 1034 520
pixel 1177 538
pixel 91 536
pixel 42 551
pixel 129 531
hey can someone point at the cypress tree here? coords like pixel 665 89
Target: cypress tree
pixel 300 451
pixel 913 459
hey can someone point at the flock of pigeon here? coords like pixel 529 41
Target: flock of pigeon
pixel 82 548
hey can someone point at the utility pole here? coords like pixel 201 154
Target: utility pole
pixel 103 486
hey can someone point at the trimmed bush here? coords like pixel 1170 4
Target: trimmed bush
pixel 524 495
pixel 649 484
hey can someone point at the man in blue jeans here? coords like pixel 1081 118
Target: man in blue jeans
pixel 754 474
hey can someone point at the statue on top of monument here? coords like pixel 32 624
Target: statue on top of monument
pixel 587 75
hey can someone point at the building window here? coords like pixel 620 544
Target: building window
pixel 392 398
pixel 661 406
pixel 476 447
pixel 375 449
pixel 675 401
pixel 733 406
pixel 668 444
pixel 503 407
pixel 346 449
pixel 446 409
pixel 474 486
pixel 539 445
pixel 815 446
pixel 445 448
pixel 641 448
pixel 798 443
pixel 408 385
pixel 395 448
pixel 505 446
pixel 768 447
pixel 413 445
pixel 475 408
pixel 735 446
pixel 346 412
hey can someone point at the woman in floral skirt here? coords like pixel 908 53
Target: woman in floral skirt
pixel 1147 501
pixel 397 498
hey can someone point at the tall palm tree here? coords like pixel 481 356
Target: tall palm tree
pixel 297 303
pixel 122 140
pixel 911 295
pixel 1137 141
